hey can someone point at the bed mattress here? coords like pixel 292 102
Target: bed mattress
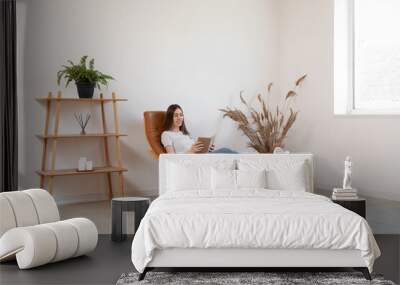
pixel 250 219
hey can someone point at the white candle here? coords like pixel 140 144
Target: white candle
pixel 89 165
pixel 82 164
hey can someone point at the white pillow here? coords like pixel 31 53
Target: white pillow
pixel 183 177
pixel 251 178
pixel 237 179
pixel 223 179
pixel 293 178
pixel 289 173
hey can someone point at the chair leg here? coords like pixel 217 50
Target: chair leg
pixel 364 271
pixel 143 274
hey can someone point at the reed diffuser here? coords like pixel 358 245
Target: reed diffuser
pixel 82 120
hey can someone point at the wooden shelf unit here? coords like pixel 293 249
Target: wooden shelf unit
pixel 46 137
pixel 79 100
pixel 65 172
pixel 79 136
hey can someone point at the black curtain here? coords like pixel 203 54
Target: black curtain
pixel 8 97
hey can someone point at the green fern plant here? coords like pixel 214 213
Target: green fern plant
pixel 82 73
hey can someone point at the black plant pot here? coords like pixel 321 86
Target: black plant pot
pixel 85 89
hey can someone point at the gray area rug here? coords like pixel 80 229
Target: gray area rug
pixel 273 278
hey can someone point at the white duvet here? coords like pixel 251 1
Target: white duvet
pixel 252 218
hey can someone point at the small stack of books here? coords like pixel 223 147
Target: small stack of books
pixel 344 194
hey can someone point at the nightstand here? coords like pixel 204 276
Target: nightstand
pixel 358 206
pixel 139 205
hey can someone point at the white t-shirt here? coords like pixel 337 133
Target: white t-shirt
pixel 181 143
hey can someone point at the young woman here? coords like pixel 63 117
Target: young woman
pixel 175 137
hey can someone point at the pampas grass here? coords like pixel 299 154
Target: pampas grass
pixel 266 127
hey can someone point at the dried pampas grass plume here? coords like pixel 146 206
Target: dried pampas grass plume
pixel 291 93
pixel 265 128
pixel 300 80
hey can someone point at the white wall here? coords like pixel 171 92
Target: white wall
pixel 306 46
pixel 199 54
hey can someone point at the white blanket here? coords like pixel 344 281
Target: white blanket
pixel 252 218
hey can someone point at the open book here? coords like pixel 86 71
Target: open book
pixel 207 143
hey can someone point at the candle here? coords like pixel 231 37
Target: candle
pixel 82 164
pixel 89 165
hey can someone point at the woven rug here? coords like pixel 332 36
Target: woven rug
pixel 244 278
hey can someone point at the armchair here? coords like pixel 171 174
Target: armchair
pixel 31 231
pixel 153 126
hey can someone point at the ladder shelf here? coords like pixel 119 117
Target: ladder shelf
pixel 50 142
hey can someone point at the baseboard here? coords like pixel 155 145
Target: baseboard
pixel 149 192
pixel 83 198
pixel 95 197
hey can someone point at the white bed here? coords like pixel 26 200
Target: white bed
pixel 198 222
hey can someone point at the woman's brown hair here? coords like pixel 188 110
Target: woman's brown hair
pixel 169 119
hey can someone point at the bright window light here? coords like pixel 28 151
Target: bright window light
pixel 367 57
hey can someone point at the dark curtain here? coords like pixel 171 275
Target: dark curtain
pixel 8 97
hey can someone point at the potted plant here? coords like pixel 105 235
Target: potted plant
pixel 86 77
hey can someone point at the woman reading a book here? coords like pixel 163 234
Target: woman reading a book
pixel 175 137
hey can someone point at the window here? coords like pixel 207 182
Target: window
pixel 367 57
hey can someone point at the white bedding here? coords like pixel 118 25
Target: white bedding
pixel 251 218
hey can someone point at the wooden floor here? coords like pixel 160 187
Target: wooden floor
pixel 111 259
